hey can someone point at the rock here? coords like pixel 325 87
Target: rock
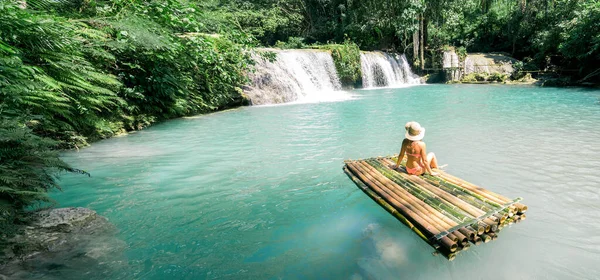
pixel 495 65
pixel 62 239
pixel 489 63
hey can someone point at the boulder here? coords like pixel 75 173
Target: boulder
pixel 62 239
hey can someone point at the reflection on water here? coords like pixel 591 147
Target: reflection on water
pixel 259 192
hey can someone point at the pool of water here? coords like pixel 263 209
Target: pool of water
pixel 259 192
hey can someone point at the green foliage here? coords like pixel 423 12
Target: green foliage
pixel 498 77
pixel 67 90
pixel 28 168
pixel 292 43
pixel 462 53
pixel 79 70
pixel 346 57
pixel 484 77
pixel 268 20
pixel 475 77
pixel 555 34
pixel 125 67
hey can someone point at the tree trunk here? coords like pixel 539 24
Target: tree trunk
pixel 422 45
pixel 415 58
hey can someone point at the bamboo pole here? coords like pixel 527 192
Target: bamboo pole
pixel 461 238
pixel 481 193
pixel 477 240
pixel 454 200
pixel 444 241
pixel 480 227
pixel 426 215
pixel 491 195
pixel 502 218
pixel 468 233
pixel 477 228
pixel 409 213
pixel 418 187
pixel 456 236
pixel 490 201
pixel 521 208
pixel 420 182
pixel 392 210
pixel 478 192
pixel 523 217
pixel 430 198
pixel 486 238
pixel 432 206
pixel 437 218
pixel 493 225
pixel 465 196
pixel 485 226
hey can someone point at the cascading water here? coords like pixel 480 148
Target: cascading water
pixel 295 75
pixel 381 69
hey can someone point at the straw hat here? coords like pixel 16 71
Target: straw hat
pixel 414 131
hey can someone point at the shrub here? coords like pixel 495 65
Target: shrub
pixel 498 77
pixel 292 43
pixel 346 57
pixel 28 168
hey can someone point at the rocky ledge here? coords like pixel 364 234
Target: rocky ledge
pixel 62 239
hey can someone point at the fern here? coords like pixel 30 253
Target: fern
pixel 28 167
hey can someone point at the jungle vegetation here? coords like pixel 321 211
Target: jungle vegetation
pixel 74 71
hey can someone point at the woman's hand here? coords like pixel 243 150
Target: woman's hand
pixel 394 166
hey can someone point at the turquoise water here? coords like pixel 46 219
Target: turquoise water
pixel 259 192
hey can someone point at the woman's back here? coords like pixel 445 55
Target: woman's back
pixel 413 152
pixel 418 161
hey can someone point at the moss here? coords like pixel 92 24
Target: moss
pixel 484 77
pixel 346 58
pixel 497 77
pixel 474 77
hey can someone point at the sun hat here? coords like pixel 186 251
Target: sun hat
pixel 414 131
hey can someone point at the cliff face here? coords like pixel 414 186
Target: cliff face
pixel 58 240
pixel 476 63
pixel 489 63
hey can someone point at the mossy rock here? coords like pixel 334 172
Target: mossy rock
pixel 498 77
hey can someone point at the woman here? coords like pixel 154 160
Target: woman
pixel 418 161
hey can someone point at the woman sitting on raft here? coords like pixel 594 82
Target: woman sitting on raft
pixel 418 160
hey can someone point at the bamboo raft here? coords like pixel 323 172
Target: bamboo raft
pixel 445 211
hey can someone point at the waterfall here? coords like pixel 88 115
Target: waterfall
pixel 295 76
pixel 381 69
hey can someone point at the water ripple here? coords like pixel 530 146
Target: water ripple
pixel 259 192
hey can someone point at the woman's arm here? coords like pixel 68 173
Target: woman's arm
pixel 424 159
pixel 401 154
